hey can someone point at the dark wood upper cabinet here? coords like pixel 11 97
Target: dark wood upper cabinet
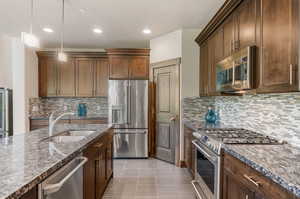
pixel 101 77
pixel 118 67
pixel 139 67
pixel 204 69
pixel 246 24
pixel 228 32
pixel 84 77
pixel 66 78
pixel 279 70
pixel 47 77
pixel 270 25
pixel 128 63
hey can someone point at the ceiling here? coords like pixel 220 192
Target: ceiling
pixel 122 21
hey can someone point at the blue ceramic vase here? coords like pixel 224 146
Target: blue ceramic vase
pixel 211 116
pixel 82 110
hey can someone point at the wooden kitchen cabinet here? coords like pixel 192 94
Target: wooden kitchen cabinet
pixel 101 77
pixel 96 172
pixel 228 36
pixel 279 68
pixel 271 26
pixel 240 181
pixel 47 77
pixel 66 78
pixel 83 75
pixel 139 67
pixel 204 69
pixel 118 67
pixel 128 63
pixel 246 17
pixel 189 156
pixel 31 194
pixel 234 189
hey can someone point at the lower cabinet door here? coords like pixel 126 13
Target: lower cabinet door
pixel 234 189
pixel 89 172
pixel 109 161
pixel 100 173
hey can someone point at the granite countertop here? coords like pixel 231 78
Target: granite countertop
pixel 26 160
pixel 280 163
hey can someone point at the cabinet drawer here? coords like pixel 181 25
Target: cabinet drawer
pixel 253 179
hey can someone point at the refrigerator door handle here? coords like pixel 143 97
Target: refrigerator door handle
pixel 128 102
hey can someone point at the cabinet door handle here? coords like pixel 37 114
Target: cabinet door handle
pixel 291 74
pixel 250 179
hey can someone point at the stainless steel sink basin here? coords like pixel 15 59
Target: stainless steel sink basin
pixel 70 136
pixel 80 132
pixel 66 139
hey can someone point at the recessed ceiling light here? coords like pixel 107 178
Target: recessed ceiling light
pixel 147 31
pixel 48 30
pixel 97 30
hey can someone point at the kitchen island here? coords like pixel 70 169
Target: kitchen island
pixel 29 158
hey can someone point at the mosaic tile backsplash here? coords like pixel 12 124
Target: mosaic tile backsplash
pixel 43 107
pixel 276 115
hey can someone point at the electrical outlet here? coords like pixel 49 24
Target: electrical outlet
pixel 65 108
pixel 98 108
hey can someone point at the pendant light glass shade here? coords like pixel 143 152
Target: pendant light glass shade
pixel 29 39
pixel 61 56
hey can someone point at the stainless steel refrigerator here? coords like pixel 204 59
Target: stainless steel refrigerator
pixel 128 113
pixel 6 112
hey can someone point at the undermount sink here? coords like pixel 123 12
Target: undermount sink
pixel 70 136
pixel 66 139
pixel 80 133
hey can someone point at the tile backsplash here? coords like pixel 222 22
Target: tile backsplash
pixel 277 115
pixel 43 107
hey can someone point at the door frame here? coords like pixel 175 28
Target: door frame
pixel 152 105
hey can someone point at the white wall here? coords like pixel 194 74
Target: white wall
pixel 5 62
pixel 166 47
pixel 18 71
pixel 180 44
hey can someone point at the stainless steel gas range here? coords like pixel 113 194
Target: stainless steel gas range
pixel 208 149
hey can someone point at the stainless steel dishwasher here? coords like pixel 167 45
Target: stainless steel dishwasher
pixel 66 183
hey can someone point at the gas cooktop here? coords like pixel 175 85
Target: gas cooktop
pixel 214 138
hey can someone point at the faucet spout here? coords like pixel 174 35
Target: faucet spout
pixel 53 121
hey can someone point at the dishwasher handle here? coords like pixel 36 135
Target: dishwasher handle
pixel 52 188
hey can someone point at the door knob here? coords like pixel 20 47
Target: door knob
pixel 172 118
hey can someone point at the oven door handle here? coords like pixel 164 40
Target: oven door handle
pixel 208 156
pixel 196 190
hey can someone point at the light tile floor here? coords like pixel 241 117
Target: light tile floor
pixel 148 179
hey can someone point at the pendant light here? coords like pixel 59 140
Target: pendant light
pixel 29 39
pixel 61 55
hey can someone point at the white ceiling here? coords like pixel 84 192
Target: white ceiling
pixel 122 21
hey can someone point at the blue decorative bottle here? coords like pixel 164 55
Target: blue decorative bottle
pixel 211 116
pixel 82 110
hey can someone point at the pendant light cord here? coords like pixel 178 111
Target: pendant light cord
pixel 31 17
pixel 62 25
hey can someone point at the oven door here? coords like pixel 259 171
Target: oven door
pixel 207 173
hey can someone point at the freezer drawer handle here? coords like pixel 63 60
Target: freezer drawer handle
pixel 52 188
pixel 128 132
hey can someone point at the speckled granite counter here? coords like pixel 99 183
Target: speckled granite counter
pixel 280 163
pixel 26 160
